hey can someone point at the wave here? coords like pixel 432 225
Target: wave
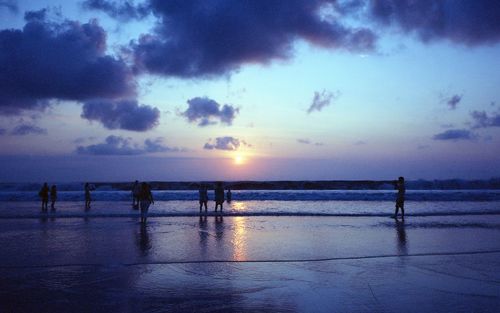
pixel 278 195
pixel 447 184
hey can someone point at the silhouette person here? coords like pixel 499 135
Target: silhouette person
pixel 146 199
pixel 44 195
pixel 400 200
pixel 203 197
pixel 88 199
pixel 136 190
pixel 53 197
pixel 229 195
pixel 219 196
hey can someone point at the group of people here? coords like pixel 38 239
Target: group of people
pixel 218 196
pixel 142 197
pixel 44 195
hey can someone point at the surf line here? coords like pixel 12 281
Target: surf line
pixel 129 264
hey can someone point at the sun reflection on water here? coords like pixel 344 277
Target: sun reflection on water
pixel 239 239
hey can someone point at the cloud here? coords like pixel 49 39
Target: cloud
pixel 205 38
pixel 26 129
pixel 453 101
pixel 117 145
pixel 225 143
pixel 455 134
pixel 123 114
pixel 485 120
pixel 465 22
pixel 3 131
pixel 66 60
pixel 10 5
pixel 124 11
pixel 205 111
pixel 306 141
pixel 321 100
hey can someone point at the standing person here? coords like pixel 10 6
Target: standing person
pixel 44 195
pixel 229 195
pixel 146 199
pixel 219 196
pixel 203 196
pixel 136 190
pixel 87 196
pixel 53 197
pixel 400 200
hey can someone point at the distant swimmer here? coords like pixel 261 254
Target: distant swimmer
pixel 203 196
pixel 44 196
pixel 53 197
pixel 229 195
pixel 146 199
pixel 87 196
pixel 136 190
pixel 400 200
pixel 219 196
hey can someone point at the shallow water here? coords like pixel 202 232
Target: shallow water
pixel 251 264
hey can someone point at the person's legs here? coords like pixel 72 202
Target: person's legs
pixel 206 207
pixel 396 211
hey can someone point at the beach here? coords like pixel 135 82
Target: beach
pixel 96 262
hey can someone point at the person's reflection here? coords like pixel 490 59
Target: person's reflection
pixel 219 226
pixel 144 241
pixel 402 239
pixel 203 229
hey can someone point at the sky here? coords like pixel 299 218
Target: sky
pixel 98 90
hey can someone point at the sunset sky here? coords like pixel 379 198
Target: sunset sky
pixel 232 90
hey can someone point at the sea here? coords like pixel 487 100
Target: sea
pixel 261 198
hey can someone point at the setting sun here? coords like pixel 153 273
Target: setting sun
pixel 239 159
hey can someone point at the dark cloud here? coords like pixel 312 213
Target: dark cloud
pixel 117 145
pixel 66 60
pixel 197 38
pixel 123 10
pixel 205 111
pixel 27 129
pixel 484 120
pixel 122 114
pixel 3 131
pixel 453 101
pixel 225 143
pixel 10 5
pixel 455 134
pixel 467 22
pixel 321 100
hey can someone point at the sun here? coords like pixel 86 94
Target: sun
pixel 239 159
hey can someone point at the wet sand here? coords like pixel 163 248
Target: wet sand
pixel 251 264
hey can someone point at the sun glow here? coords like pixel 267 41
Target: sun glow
pixel 239 159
